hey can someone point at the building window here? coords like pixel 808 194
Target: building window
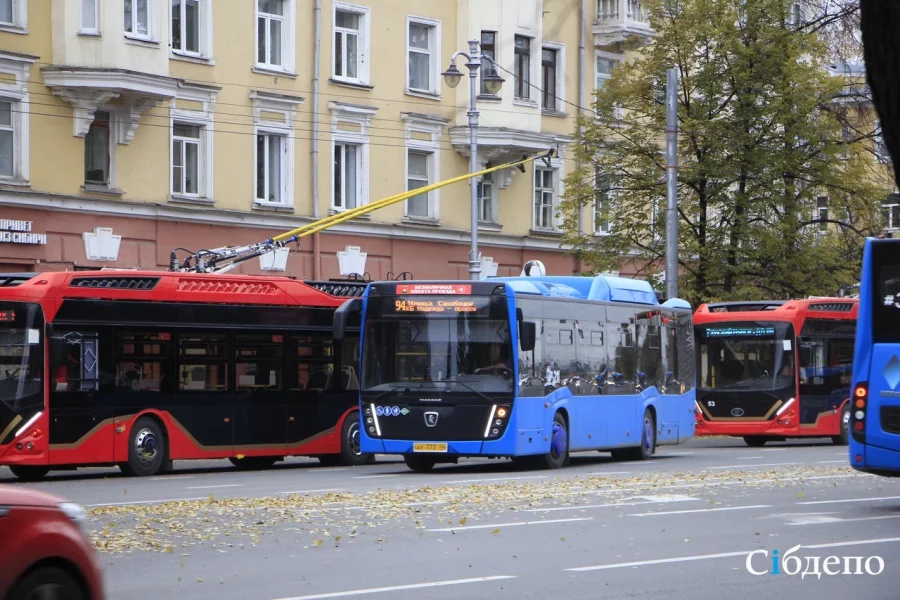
pixel 351 49
pixel 270 32
pixel 604 71
pixel 822 213
pixel 544 193
pixel 548 78
pixel 890 212
pixel 796 14
pixel 523 67
pixel 188 26
pixel 423 53
pixel 96 150
pixel 488 49
pixel 137 18
pixel 602 203
pixel 186 160
pixel 418 167
pixel 270 168
pixel 7 140
pixel 90 17
pixel 13 14
pixel 347 180
pixel 486 213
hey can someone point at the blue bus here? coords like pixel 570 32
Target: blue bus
pixel 875 415
pixel 529 368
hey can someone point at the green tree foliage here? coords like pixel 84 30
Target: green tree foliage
pixel 761 140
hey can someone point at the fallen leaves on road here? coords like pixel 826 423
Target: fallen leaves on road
pixel 307 519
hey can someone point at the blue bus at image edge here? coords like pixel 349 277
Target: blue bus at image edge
pixel 530 368
pixel 875 411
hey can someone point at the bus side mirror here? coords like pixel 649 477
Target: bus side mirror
pixel 342 316
pixel 527 335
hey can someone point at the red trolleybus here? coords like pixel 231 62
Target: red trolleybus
pixel 768 371
pixel 138 369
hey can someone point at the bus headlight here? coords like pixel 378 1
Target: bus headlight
pixel 74 512
pixel 497 421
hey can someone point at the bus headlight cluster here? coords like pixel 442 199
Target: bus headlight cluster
pixel 497 421
pixel 372 425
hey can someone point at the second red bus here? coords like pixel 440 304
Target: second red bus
pixel 769 371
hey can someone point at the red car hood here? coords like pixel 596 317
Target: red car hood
pixel 12 495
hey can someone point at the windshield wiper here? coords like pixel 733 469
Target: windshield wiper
pixel 471 389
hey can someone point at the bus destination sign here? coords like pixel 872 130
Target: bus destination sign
pixel 739 331
pixel 435 306
pixel 443 289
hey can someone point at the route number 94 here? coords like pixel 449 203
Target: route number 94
pixel 711 403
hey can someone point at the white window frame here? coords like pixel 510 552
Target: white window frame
pixel 286 108
pixel 611 56
pixel 556 165
pixel 204 120
pixel 560 50
pixel 19 23
pixel 205 35
pixel 152 18
pixel 529 86
pixel 14 89
pixel 432 127
pixel 434 52
pixel 553 198
pixel 95 7
pixel 362 44
pixel 822 215
pixel 361 117
pixel 288 39
pixel 887 204
pixel 492 184
pixel 596 205
pixel 114 124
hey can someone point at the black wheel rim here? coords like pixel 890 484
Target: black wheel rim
pixel 353 439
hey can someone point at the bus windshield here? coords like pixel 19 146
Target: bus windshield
pixel 21 366
pixel 438 344
pixel 756 355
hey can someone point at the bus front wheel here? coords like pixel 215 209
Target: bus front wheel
pixel 559 445
pixel 419 464
pixel 147 448
pixel 844 437
pixel 755 441
pixel 28 473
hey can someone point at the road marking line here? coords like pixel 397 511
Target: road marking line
pixel 751 457
pixel 678 559
pixel 170 477
pixel 677 453
pixel 449 482
pixel 376 476
pixel 312 491
pixel 644 500
pixel 512 524
pixel 790 464
pixel 832 520
pixel 610 472
pixel 832 462
pixel 397 588
pixel 877 499
pixel 144 502
pixel 699 510
pixel 210 487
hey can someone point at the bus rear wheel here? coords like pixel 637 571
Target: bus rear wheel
pixel 29 473
pixel 844 437
pixel 755 441
pixel 418 463
pixel 253 463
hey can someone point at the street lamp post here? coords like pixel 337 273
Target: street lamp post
pixel 492 83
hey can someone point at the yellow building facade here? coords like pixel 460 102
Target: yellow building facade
pixel 132 128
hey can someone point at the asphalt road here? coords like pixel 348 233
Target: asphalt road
pixel 678 526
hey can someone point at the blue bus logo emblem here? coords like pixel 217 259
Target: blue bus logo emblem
pixel 395 410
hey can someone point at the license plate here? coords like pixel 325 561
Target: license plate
pixel 429 447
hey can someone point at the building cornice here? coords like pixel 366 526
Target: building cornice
pixel 202 215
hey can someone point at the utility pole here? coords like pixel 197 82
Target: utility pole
pixel 672 183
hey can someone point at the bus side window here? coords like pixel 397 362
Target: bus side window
pixel 76 364
pixel 349 380
pixel 140 361
pixel 313 362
